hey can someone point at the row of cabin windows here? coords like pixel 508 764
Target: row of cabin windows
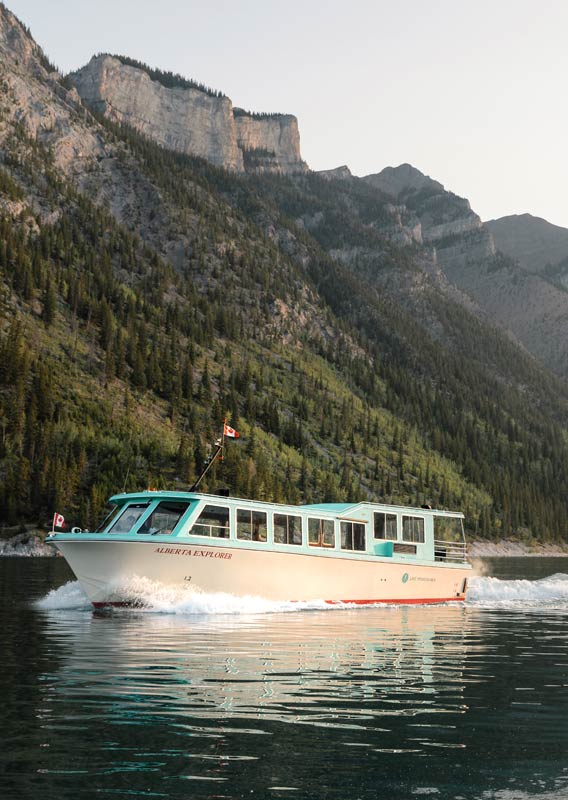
pixel 287 528
pixel 252 525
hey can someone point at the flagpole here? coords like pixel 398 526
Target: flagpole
pixel 220 444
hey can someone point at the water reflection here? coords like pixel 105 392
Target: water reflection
pixel 319 668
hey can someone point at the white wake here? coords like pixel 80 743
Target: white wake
pixel 150 597
pixel 549 592
pixel 147 596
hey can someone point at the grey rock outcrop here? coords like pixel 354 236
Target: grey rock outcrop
pixel 342 173
pixel 37 101
pixel 189 120
pixel 442 214
pixel 17 45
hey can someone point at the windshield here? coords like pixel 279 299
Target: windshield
pixel 164 518
pixel 112 513
pixel 129 517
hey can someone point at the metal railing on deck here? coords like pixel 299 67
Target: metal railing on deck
pixel 449 551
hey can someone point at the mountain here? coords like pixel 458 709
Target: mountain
pixel 146 293
pixel 440 214
pixel 514 270
pixel 536 244
pixel 189 118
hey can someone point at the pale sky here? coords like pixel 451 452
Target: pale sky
pixel 474 93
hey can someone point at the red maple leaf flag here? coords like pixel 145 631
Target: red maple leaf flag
pixel 231 432
pixel 58 520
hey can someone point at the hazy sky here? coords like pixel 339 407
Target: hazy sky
pixel 473 93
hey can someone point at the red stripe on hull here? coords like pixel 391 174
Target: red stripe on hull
pixel 419 602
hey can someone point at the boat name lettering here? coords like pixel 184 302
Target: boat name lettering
pixel 186 551
pixel 211 554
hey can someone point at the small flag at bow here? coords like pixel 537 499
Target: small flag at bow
pixel 58 520
pixel 231 432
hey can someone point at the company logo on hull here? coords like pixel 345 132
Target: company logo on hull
pixel 406 577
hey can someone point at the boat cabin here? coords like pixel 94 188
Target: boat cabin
pixel 351 530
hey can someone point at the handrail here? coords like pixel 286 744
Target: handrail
pixel 449 551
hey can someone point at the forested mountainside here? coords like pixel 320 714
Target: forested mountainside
pixel 145 295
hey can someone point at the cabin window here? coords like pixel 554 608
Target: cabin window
pixel 321 533
pixel 251 525
pixel 447 529
pixel 413 529
pixel 385 525
pixel 287 529
pixel 164 518
pixel 129 518
pixel 213 521
pixel 352 536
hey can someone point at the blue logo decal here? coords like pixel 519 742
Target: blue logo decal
pixel 405 577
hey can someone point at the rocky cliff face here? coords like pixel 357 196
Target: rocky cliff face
pixel 34 98
pixel 191 121
pixel 17 45
pixel 269 143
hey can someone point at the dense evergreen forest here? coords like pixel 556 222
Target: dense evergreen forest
pixel 117 367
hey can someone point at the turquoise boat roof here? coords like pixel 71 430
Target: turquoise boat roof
pixel 335 508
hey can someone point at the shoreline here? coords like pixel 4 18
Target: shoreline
pixel 506 549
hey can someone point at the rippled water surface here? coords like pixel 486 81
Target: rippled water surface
pixel 213 697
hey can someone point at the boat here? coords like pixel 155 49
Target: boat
pixel 360 553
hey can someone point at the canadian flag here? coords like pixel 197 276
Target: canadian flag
pixel 228 431
pixel 58 520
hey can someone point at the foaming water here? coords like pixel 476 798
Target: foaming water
pixel 547 593
pixel 149 597
pixel 68 597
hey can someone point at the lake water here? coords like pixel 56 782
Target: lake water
pixel 220 698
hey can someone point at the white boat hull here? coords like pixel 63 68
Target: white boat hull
pixel 105 567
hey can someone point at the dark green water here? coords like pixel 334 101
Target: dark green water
pixel 226 700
